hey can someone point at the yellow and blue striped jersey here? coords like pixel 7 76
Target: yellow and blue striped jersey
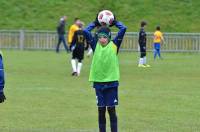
pixel 158 36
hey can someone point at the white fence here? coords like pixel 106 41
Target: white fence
pixel 46 40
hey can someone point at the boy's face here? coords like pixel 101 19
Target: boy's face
pixel 78 22
pixel 103 40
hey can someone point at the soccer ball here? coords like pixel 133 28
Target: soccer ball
pixel 105 17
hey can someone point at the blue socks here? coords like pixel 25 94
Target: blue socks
pixel 102 119
pixel 113 119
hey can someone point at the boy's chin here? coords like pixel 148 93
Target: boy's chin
pixel 104 44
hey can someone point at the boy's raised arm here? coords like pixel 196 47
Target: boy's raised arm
pixel 119 37
pixel 88 35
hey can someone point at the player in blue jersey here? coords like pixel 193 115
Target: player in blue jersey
pixel 104 71
pixel 2 96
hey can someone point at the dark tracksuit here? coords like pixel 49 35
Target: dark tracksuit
pixel 61 36
pixel 142 42
pixel 2 82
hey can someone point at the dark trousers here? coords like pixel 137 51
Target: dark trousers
pixel 142 50
pixel 61 38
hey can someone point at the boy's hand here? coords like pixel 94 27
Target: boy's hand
pixel 96 21
pixel 113 22
pixel 2 97
pixel 72 47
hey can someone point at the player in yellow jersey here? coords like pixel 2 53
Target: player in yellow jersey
pixel 72 29
pixel 158 39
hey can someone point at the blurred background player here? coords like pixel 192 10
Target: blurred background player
pixel 158 39
pixel 2 82
pixel 72 29
pixel 104 71
pixel 78 47
pixel 61 34
pixel 142 45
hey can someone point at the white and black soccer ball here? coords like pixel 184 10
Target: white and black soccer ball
pixel 105 17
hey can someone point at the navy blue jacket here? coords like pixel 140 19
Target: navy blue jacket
pixel 1 74
pixel 142 37
pixel 61 27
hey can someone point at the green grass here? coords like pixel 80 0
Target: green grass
pixel 42 96
pixel 172 15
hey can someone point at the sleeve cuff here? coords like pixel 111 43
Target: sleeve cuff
pixel 1 88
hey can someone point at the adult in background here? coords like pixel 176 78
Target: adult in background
pixel 61 34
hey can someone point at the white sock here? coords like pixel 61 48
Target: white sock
pixel 89 52
pixel 140 61
pixel 73 62
pixel 79 68
pixel 144 60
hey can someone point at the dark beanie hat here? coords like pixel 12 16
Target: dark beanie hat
pixel 104 31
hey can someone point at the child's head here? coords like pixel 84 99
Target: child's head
pixel 81 25
pixel 104 35
pixel 143 23
pixel 77 21
pixel 158 27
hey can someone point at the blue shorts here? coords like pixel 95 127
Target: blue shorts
pixel 156 45
pixel 107 97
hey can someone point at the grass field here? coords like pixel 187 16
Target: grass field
pixel 171 15
pixel 43 97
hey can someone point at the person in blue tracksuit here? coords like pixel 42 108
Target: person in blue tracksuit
pixel 61 34
pixel 2 82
